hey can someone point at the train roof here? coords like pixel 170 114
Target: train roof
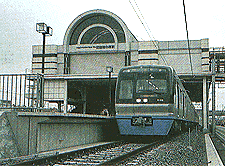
pixel 149 66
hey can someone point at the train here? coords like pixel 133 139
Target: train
pixel 151 100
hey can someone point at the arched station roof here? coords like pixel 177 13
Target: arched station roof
pixel 97 26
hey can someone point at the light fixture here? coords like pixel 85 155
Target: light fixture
pixel 109 69
pixel 46 31
pixel 49 31
pixel 138 100
pixel 41 27
pixel 145 100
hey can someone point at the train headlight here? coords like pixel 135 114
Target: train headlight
pixel 159 99
pixel 145 100
pixel 138 100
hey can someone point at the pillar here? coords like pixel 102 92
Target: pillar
pixel 84 99
pixel 208 100
pixel 65 96
pixel 213 95
pixel 59 106
pixel 204 106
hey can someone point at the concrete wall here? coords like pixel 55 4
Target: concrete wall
pixel 8 144
pixel 25 130
pixel 176 54
pixel 29 133
pixel 96 63
pixel 92 59
pixel 60 135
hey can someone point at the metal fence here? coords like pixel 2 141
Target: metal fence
pixel 21 91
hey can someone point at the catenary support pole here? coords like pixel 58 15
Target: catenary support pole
pixel 110 94
pixel 43 55
pixel 213 95
pixel 204 104
pixel 65 97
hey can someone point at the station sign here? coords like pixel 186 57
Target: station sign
pixel 94 47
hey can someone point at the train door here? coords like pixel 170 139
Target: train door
pixel 184 105
pixel 180 103
pixel 176 97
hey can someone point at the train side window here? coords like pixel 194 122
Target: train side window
pixel 178 97
pixel 184 104
pixel 175 94
pixel 126 89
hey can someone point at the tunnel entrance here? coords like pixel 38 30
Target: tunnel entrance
pixel 90 96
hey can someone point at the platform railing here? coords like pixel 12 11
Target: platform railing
pixel 21 91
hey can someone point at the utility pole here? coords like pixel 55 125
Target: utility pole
pixel 213 94
pixel 43 55
pixel 110 70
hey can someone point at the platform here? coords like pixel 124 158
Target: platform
pixel 52 153
pixel 212 155
pixel 73 149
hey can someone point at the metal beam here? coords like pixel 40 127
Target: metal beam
pixel 213 95
pixel 204 104
pixel 65 96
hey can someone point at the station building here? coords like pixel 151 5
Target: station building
pixel 75 72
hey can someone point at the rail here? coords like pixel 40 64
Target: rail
pixel 120 158
pixel 220 133
pixel 108 154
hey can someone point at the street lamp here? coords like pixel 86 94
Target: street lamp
pixel 46 31
pixel 110 70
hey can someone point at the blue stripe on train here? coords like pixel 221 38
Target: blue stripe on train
pixel 160 126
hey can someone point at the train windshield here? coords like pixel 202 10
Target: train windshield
pixel 126 89
pixel 156 82
pixel 149 85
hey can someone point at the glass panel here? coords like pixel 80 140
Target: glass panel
pixel 126 89
pixel 151 85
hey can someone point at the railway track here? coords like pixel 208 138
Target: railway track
pixel 220 133
pixel 106 155
pixel 110 154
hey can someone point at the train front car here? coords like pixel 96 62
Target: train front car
pixel 144 100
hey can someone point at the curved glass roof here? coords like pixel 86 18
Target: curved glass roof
pixel 97 34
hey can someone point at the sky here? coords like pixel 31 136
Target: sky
pixel 164 18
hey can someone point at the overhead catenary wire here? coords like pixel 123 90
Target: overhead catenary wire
pixel 146 27
pixel 139 18
pixel 188 42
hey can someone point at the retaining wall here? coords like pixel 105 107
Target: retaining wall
pixel 26 133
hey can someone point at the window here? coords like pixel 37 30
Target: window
pixel 54 89
pixel 155 85
pixel 126 89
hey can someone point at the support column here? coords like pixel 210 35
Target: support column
pixel 65 96
pixel 213 95
pixel 59 106
pixel 204 106
pixel 208 100
pixel 84 98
